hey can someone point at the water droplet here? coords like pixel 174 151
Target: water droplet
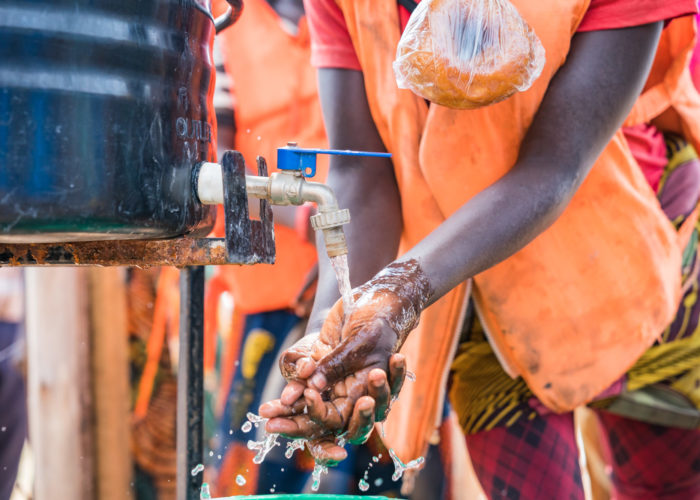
pixel 198 468
pixel 256 419
pixel 410 376
pixel 294 445
pixel 282 469
pixel 259 138
pixel 263 446
pixel 247 131
pixel 3 428
pixel 375 459
pixel 400 467
pixel 316 476
pixel 339 264
pixel 246 427
pixel 204 492
pixel 378 482
pixel 240 480
pixel 219 457
pixel 230 431
pixel 211 453
pixel 363 485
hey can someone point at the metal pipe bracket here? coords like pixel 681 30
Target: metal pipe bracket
pixel 247 241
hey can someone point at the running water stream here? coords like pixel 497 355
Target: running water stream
pixel 342 274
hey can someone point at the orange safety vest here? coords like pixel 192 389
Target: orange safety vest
pixel 574 309
pixel 276 101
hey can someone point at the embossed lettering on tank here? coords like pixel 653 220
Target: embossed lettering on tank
pixel 192 132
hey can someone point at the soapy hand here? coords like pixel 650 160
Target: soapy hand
pixel 340 375
pixel 349 408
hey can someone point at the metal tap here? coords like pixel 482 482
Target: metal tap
pixel 289 186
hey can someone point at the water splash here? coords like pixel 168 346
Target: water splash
pixel 292 446
pixel 400 467
pixel 240 480
pixel 316 475
pixel 256 420
pixel 263 446
pixel 341 440
pixel 197 469
pixel 363 485
pixel 342 274
pixel 204 493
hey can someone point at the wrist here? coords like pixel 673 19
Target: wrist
pixel 405 291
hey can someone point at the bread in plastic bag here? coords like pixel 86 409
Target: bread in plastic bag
pixel 466 54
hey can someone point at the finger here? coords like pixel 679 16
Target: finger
pixel 276 408
pixel 356 384
pixel 315 406
pixel 378 388
pixel 340 390
pixel 292 392
pixel 397 373
pixel 332 414
pixel 327 452
pixel 305 367
pixel 301 349
pixel 288 363
pixel 298 426
pixel 362 421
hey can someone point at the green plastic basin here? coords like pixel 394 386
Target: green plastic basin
pixel 303 497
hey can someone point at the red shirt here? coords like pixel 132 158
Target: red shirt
pixel 331 46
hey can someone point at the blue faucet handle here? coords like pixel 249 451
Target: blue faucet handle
pixel 291 157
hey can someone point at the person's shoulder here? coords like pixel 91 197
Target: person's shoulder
pixel 331 45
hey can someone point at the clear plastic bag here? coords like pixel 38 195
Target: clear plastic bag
pixel 465 54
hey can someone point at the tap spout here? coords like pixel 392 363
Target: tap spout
pixel 284 188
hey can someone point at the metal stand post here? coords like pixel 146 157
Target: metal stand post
pixel 190 383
